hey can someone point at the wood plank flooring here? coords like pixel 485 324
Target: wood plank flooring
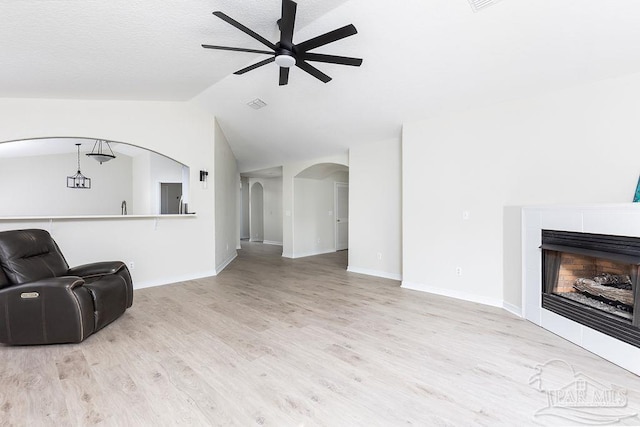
pixel 280 342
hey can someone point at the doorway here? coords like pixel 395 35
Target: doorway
pixel 170 197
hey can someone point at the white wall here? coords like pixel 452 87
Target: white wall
pixel 227 192
pixel 163 251
pixel 163 170
pixel 314 220
pixel 142 194
pixel 26 181
pixel 149 171
pixel 375 209
pixel 273 211
pixel 578 145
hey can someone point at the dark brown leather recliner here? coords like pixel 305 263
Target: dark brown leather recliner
pixel 43 301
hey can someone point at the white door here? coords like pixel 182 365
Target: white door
pixel 342 215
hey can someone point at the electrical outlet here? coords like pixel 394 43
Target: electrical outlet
pixel 379 256
pixel 132 265
pixel 458 271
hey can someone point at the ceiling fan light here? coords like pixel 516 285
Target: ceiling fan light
pixel 285 61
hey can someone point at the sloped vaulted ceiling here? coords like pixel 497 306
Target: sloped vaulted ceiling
pixel 421 58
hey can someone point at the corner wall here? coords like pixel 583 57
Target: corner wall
pixel 227 193
pixel 375 209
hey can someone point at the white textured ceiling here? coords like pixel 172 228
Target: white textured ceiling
pixel 126 49
pixel 421 58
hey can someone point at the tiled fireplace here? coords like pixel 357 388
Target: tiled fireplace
pixel 580 277
pixel 592 279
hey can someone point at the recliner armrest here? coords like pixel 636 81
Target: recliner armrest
pixel 97 269
pixel 52 310
pixel 51 284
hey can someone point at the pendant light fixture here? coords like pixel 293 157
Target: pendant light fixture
pixel 78 180
pixel 99 153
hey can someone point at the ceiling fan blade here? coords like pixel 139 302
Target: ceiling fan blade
pixel 327 38
pixel 287 23
pixel 237 49
pixel 331 59
pixel 284 76
pixel 256 65
pixel 244 29
pixel 313 71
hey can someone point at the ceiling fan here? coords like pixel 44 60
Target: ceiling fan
pixel 285 53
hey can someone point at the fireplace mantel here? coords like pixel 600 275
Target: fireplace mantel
pixel 617 220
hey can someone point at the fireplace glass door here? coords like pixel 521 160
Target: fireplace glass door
pixel 592 279
pixel 596 282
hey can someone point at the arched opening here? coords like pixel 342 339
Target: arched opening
pixel 135 181
pixel 321 209
pixel 257 213
pixel 270 180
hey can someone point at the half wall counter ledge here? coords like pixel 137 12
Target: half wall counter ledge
pixel 46 222
pixel 95 217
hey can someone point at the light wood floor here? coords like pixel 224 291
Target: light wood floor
pixel 280 342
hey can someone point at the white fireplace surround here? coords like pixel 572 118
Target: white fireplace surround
pixel 614 219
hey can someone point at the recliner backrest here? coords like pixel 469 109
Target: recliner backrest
pixel 29 255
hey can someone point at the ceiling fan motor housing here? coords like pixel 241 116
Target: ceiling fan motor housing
pixel 285 58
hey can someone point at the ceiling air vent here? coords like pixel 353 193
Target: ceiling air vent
pixel 477 5
pixel 257 104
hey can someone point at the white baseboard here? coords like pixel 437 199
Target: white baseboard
pixel 494 302
pixel 255 240
pixel 173 279
pixel 225 263
pixel 271 242
pixel 383 274
pixel 513 309
pixel 306 254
